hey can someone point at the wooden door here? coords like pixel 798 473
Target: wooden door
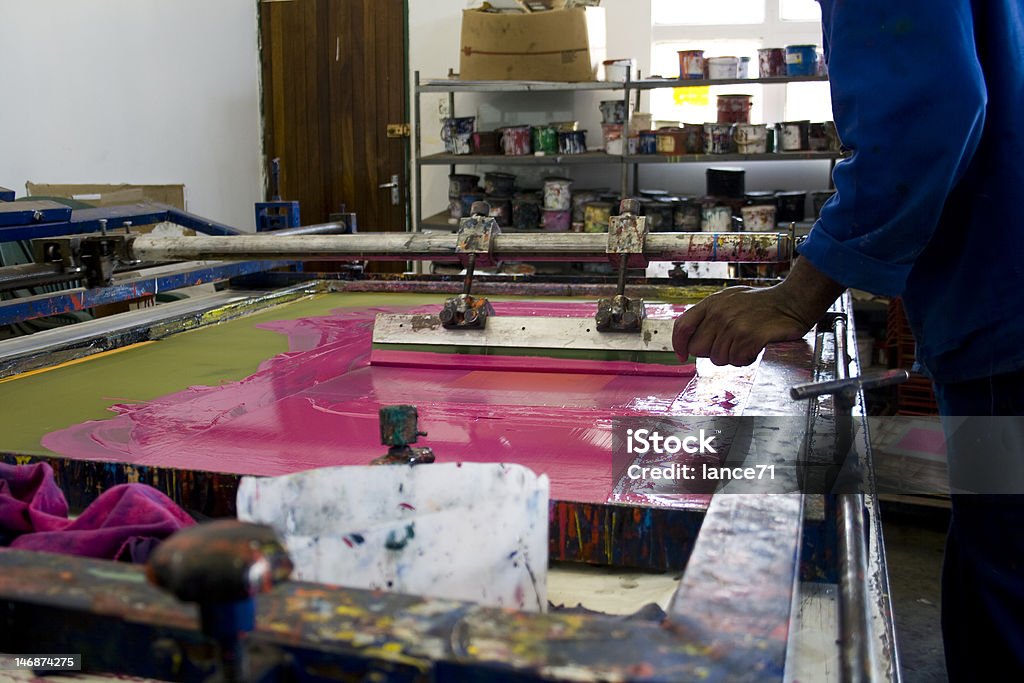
pixel 334 75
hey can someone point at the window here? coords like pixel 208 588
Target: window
pixel 734 28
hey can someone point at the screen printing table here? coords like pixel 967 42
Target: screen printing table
pixel 763 575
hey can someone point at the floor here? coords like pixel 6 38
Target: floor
pixel 914 539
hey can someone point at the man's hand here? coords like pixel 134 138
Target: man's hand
pixel 732 326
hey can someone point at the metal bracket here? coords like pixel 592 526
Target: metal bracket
pixel 399 429
pixel 475 240
pixel 95 257
pixel 627 233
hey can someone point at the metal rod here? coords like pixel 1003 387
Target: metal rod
pixel 467 284
pixel 396 246
pixel 623 263
pixel 336 228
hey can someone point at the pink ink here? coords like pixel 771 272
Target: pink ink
pixel 316 406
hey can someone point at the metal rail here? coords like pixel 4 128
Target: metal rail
pixel 401 246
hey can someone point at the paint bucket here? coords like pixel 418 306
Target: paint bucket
pixel 500 184
pixel 723 68
pixel 818 199
pixel 834 143
pixel 526 211
pixel 771 62
pixel 557 194
pixel 671 141
pixel 545 140
pixel 758 218
pixel 653 193
pixel 693 135
pixel 744 69
pixel 638 121
pixel 647 142
pixel 461 182
pixel 580 199
pixel 556 221
pixel 801 60
pixel 467 199
pixel 759 198
pixel 686 215
pixel 596 216
pixel 660 215
pixel 486 142
pixel 613 111
pixel 612 133
pixel 691 64
pixel 716 218
pixel 457 134
pixel 794 135
pixel 455 208
pixel 717 138
pixel 791 206
pixel 501 210
pixel 619 70
pixel 726 182
pixel 565 126
pixel 750 138
pixel 572 142
pixel 515 140
pixel 734 108
pixel 817 140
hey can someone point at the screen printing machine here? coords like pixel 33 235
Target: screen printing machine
pixel 768 581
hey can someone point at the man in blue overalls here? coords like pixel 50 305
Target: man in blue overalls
pixel 929 97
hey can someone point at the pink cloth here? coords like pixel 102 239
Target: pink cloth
pixel 124 523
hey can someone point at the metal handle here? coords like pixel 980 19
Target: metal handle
pixel 394 185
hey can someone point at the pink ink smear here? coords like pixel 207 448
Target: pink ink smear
pixel 316 406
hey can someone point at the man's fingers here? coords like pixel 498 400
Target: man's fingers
pixel 684 328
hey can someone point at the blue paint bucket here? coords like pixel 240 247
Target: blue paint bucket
pixel 801 60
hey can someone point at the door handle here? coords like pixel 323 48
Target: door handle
pixel 394 185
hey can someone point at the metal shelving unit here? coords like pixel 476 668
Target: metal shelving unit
pixel 627 163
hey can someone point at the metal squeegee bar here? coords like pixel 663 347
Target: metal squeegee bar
pixel 665 246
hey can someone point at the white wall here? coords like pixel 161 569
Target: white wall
pixel 134 91
pixel 434 28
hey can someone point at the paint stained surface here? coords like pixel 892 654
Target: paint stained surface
pixel 316 404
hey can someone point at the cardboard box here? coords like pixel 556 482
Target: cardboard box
pixel 112 195
pixel 558 45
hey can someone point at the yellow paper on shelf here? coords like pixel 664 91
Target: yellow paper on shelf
pixel 696 95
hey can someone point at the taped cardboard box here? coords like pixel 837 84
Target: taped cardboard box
pixel 558 45
pixel 112 195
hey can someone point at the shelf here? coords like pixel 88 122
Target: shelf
pixel 719 158
pixel 657 83
pixel 439 221
pixel 526 160
pixel 455 85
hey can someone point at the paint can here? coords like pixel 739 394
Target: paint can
pixel 693 135
pixel 467 199
pixel 526 211
pixel 818 199
pixel 515 140
pixel 565 126
pixel 556 221
pixel 545 140
pixel 486 142
pixel 686 216
pixel 461 182
pixel 723 68
pixel 660 215
pixel 801 60
pixel 647 142
pixel 726 182
pixel 455 208
pixel 613 111
pixel 717 138
pixel 501 210
pixel 834 143
pixel 691 64
pixel 758 218
pixel 744 68
pixel 572 142
pixel 817 138
pixel 612 133
pixel 734 108
pixel 500 184
pixel 638 121
pixel 771 62
pixel 794 135
pixel 457 134
pixel 596 216
pixel 557 194
pixel 716 218
pixel 619 70
pixel 791 206
pixel 653 193
pixel 759 198
pixel 671 141
pixel 751 138
pixel 580 199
